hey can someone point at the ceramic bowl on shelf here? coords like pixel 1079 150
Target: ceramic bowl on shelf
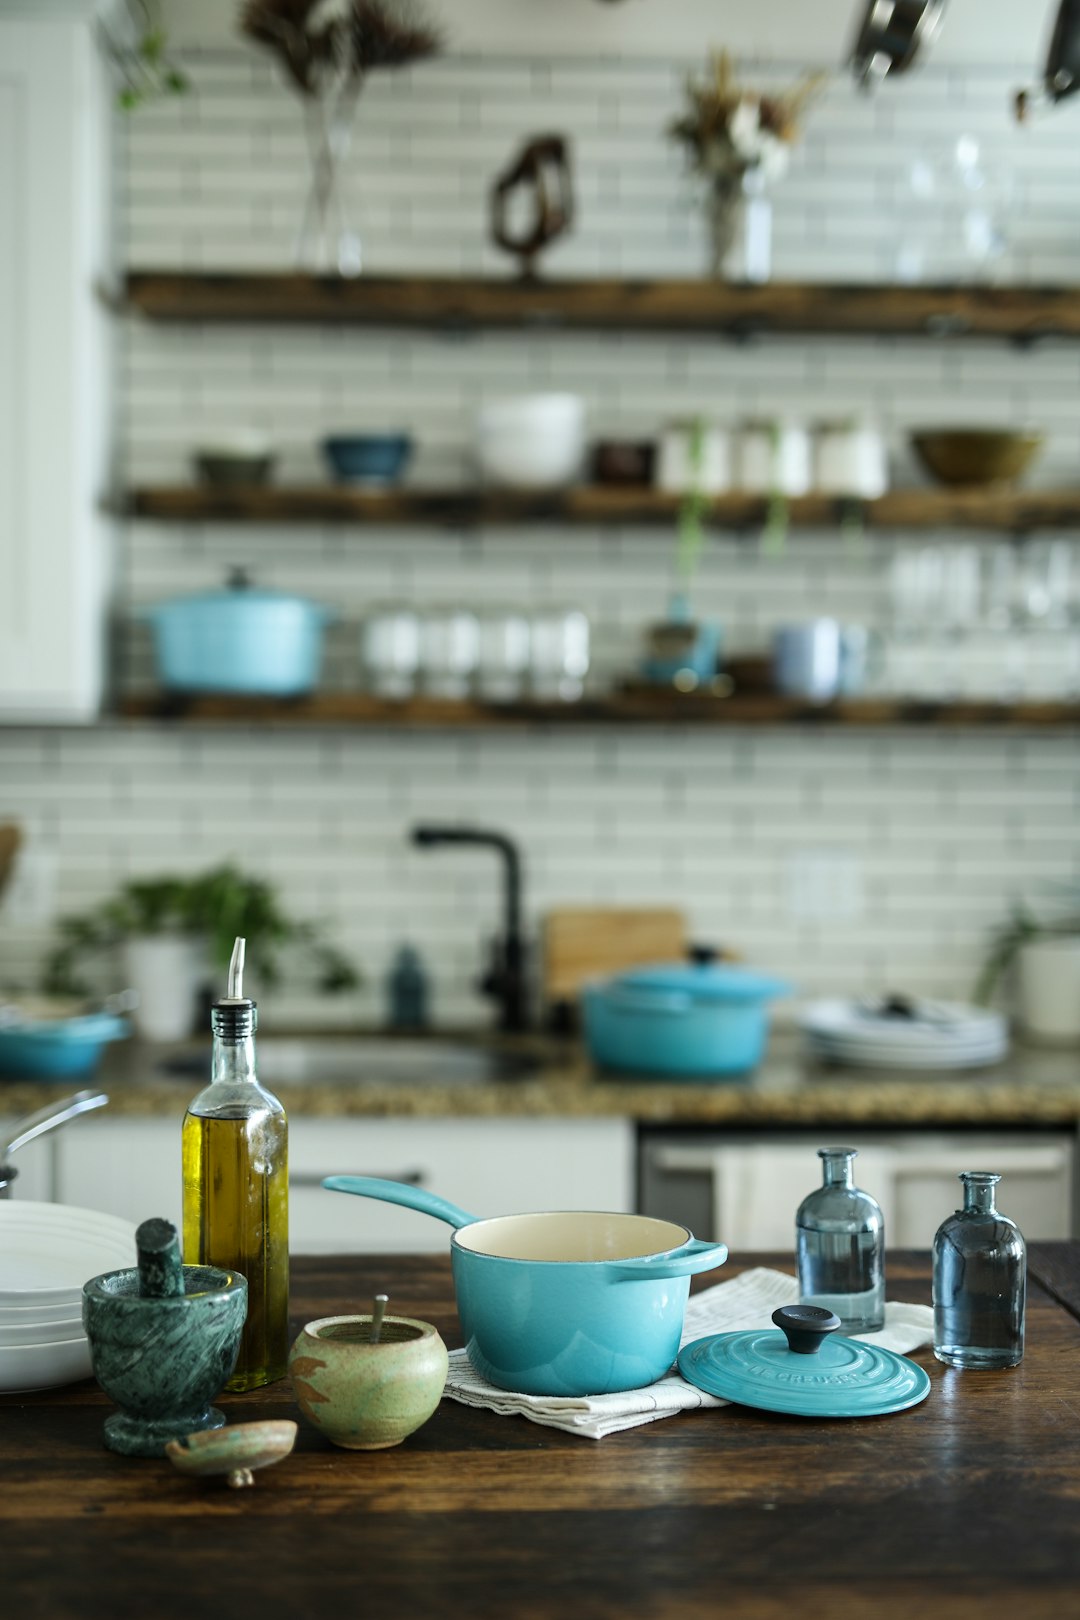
pixel 958 456
pixel 536 441
pixel 377 459
pixel 239 459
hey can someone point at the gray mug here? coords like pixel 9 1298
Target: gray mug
pixel 821 659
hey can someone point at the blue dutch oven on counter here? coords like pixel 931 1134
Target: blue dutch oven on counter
pixel 239 639
pixel 693 1020
pixel 57 1048
pixel 571 1302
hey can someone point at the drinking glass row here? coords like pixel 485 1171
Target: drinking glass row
pixel 454 652
pixel 999 621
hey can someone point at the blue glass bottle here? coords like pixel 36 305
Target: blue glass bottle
pixel 980 1281
pixel 840 1247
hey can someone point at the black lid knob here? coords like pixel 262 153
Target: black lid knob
pixel 805 1326
pixel 703 954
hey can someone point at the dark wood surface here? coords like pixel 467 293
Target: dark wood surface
pixel 639 706
pixel 1021 313
pixel 991 509
pixel 964 1506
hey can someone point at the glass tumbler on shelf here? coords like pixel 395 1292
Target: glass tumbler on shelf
pixel 390 651
pixel 980 1281
pixel 449 652
pixel 840 1247
pixel 503 659
pixel 559 658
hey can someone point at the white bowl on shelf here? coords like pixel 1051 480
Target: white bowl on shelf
pixel 534 441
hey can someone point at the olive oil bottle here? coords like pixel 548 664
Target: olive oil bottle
pixel 236 1184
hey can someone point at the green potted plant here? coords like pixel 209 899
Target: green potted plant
pixel 1041 954
pixel 173 933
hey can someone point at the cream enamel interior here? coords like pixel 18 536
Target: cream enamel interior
pixel 571 1235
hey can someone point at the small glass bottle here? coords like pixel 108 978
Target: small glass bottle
pixel 980 1281
pixel 236 1185
pixel 840 1247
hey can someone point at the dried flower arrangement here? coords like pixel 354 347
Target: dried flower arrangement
pixel 729 129
pixel 738 140
pixel 328 48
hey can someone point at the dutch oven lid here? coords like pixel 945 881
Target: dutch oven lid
pixel 803 1369
pixel 238 587
pixel 704 980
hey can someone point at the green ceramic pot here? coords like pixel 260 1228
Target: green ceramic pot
pixel 368 1396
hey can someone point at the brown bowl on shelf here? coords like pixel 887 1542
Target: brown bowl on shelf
pixel 626 462
pixel 974 456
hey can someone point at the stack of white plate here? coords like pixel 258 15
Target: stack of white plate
pixel 927 1035
pixel 47 1252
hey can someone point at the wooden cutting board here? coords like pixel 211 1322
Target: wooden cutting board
pixel 582 942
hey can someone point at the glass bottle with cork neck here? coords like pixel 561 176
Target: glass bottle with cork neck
pixel 236 1184
pixel 840 1247
pixel 980 1281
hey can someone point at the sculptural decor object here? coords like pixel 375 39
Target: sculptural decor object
pixel 164 1339
pixel 542 168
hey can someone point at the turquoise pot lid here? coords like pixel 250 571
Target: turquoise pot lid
pixel 842 1378
pixel 704 981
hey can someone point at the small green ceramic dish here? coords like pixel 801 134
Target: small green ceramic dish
pixel 368 1396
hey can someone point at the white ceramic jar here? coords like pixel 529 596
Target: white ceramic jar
pixel 535 441
pixel 773 458
pixel 850 459
pixel 694 456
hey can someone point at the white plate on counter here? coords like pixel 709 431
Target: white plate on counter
pixel 47 1252
pixel 44 1366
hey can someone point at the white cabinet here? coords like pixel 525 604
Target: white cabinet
pixel 131 1167
pixel 54 372
pixel 746 1191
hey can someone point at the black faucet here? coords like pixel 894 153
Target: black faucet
pixel 505 977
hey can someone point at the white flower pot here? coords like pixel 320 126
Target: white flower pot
pixel 1048 989
pixel 166 971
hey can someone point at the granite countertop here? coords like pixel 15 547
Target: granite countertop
pixel 1033 1086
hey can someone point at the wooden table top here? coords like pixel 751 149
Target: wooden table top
pixel 972 1497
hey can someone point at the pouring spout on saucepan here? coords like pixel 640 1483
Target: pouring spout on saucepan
pixel 401 1192
pixel 686 1261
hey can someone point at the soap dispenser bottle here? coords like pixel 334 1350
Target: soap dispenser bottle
pixel 236 1184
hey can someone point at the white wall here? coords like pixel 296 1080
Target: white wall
pixel 925 836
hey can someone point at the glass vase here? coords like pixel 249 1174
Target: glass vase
pixel 840 1247
pixel 328 243
pixel 739 218
pixel 980 1281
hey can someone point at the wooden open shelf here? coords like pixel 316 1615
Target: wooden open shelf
pixel 1023 314
pixel 631 707
pixel 997 509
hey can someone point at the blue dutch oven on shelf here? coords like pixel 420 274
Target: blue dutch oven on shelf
pixel 242 640
pixel 696 1020
pixel 57 1048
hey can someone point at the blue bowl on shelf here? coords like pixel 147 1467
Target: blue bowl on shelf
pixel 55 1049
pixel 368 458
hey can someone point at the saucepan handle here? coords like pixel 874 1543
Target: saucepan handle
pixel 400 1192
pixel 686 1261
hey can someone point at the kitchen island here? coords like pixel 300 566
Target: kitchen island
pixel 962 1506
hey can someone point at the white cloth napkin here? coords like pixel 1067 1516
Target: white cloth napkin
pixel 748 1301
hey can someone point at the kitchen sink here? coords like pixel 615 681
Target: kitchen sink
pixel 371 1060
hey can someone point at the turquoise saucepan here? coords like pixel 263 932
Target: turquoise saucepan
pixel 576 1302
